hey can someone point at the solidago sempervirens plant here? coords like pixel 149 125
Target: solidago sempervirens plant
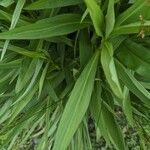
pixel 65 62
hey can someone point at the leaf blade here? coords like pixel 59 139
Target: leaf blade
pixel 109 68
pixel 50 27
pixel 78 103
pixel 96 15
pixel 48 4
pixel 110 18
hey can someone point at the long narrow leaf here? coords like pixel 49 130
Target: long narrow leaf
pixel 133 85
pixel 50 27
pixel 47 4
pixel 96 16
pixel 77 105
pixel 110 18
pixel 14 21
pixel 109 68
pixel 130 11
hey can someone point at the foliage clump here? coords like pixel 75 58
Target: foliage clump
pixel 74 74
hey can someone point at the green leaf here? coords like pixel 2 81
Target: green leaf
pixel 142 13
pixel 85 48
pixel 51 92
pixel 37 70
pixel 61 39
pixel 8 17
pixel 12 64
pixel 135 59
pixel 35 124
pixel 43 144
pixel 14 21
pixel 140 51
pixel 25 74
pixel 6 76
pixel 5 107
pixel 17 12
pixel 23 51
pixel 5 16
pixel 113 130
pixel 6 3
pixel 133 85
pixel 130 11
pixel 42 79
pixel 117 41
pixel 96 111
pixel 21 104
pixel 47 4
pixel 49 27
pixel 110 18
pixel 127 107
pixel 109 68
pixel 107 124
pixel 77 105
pixel 96 16
pixel 132 28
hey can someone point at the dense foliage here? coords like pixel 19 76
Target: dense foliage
pixel 74 73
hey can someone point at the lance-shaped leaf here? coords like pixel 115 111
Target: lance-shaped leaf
pixel 14 21
pixel 133 58
pixel 110 18
pixel 113 129
pixel 127 107
pixel 136 27
pixel 49 27
pixel 109 68
pixel 47 4
pixel 6 3
pixel 77 105
pixel 103 112
pixel 85 48
pixel 133 85
pixel 130 11
pixel 96 15
pixel 23 51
